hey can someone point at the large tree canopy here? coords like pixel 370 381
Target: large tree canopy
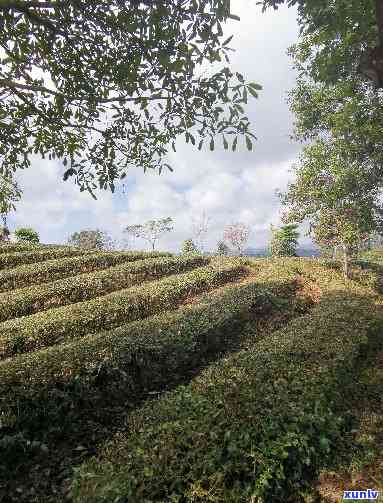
pixel 337 196
pixel 105 85
pixel 346 37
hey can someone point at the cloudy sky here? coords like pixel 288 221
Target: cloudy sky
pixel 227 186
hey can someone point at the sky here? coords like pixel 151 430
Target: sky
pixel 228 186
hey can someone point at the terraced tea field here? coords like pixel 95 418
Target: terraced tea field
pixel 146 377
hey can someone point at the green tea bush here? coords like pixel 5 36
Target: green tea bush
pixel 37 298
pixel 11 247
pixel 256 426
pixel 122 363
pixel 56 325
pixel 8 260
pixel 50 270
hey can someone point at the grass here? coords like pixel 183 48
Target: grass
pixel 219 382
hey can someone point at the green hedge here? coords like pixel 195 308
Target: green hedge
pixel 51 270
pixel 122 363
pixel 22 247
pixel 257 426
pixel 8 260
pixel 68 322
pixel 87 286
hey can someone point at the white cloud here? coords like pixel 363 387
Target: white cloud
pixel 228 186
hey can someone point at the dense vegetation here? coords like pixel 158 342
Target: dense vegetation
pixel 224 379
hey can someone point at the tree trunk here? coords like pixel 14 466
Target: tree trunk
pixel 153 244
pixel 379 20
pixel 371 64
pixel 346 262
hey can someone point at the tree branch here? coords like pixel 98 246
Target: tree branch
pixel 35 4
pixel 10 84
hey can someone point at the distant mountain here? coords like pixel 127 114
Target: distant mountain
pixel 263 252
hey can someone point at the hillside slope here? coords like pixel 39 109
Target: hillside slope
pixel 224 379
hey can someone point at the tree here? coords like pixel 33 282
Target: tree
pixel 10 194
pixel 91 239
pixel 151 230
pixel 333 193
pixel 105 86
pixel 222 248
pixel 200 227
pixel 237 235
pixel 27 235
pixel 188 247
pixel 4 233
pixel 346 38
pixel 284 241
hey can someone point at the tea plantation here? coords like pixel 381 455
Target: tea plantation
pixel 146 377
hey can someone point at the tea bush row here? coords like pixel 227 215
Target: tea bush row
pixel 56 325
pixel 122 363
pixel 22 247
pixel 87 286
pixel 256 426
pixel 50 270
pixel 8 260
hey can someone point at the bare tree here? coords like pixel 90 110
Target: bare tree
pixel 237 235
pixel 200 228
pixel 151 230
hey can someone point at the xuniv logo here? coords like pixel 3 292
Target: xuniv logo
pixel 361 495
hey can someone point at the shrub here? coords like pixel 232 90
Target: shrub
pixel 188 247
pixel 64 323
pixel 89 285
pixel 222 248
pixel 91 240
pixel 27 234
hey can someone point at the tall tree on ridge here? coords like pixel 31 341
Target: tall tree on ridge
pixel 10 194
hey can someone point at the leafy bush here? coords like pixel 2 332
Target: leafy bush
pixel 188 247
pixel 91 240
pixel 222 248
pixel 257 426
pixel 64 323
pixel 89 285
pixel 27 234
pixel 54 269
